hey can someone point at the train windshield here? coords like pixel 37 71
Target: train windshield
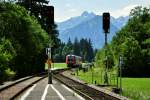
pixel 70 58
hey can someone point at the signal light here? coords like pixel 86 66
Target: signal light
pixel 48 13
pixel 106 22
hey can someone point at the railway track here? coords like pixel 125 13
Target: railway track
pixel 88 92
pixel 11 91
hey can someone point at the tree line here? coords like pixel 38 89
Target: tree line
pixel 81 48
pixel 132 42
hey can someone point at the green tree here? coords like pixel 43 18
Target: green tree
pixel 133 42
pixel 83 48
pixel 7 53
pixel 35 8
pixel 86 50
pixel 132 55
pixel 90 51
pixel 27 38
pixel 76 47
pixel 70 47
pixel 101 56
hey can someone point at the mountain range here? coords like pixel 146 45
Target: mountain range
pixel 89 26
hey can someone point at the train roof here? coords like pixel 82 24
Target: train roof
pixel 73 55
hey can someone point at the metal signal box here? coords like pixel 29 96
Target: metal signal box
pixel 106 22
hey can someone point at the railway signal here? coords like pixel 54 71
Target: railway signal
pixel 106 22
pixel 106 28
pixel 48 13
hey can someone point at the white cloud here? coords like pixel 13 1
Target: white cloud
pixel 123 12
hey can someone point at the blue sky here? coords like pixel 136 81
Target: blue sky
pixel 64 9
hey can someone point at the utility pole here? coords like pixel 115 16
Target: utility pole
pixel 106 28
pixel 120 67
pixel 106 62
pixel 48 13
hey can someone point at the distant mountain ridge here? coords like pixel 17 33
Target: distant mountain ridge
pixel 89 25
pixel 120 21
pixel 74 21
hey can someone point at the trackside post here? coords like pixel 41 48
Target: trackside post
pixel 48 52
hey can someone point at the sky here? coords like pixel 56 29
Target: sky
pixel 65 9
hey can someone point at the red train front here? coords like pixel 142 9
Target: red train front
pixel 73 61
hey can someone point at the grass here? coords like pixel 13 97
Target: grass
pixel 95 75
pixel 56 65
pixel 134 88
pixel 87 76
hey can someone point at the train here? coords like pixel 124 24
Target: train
pixel 73 61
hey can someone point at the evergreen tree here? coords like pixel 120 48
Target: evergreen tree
pixel 76 47
pixel 86 50
pixel 70 47
pixel 58 55
pixel 90 51
pixel 83 47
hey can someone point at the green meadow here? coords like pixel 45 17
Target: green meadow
pixel 56 65
pixel 136 88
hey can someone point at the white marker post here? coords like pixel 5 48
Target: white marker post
pixel 48 52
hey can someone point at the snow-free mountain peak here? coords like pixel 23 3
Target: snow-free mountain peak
pixel 87 14
pixel 74 21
